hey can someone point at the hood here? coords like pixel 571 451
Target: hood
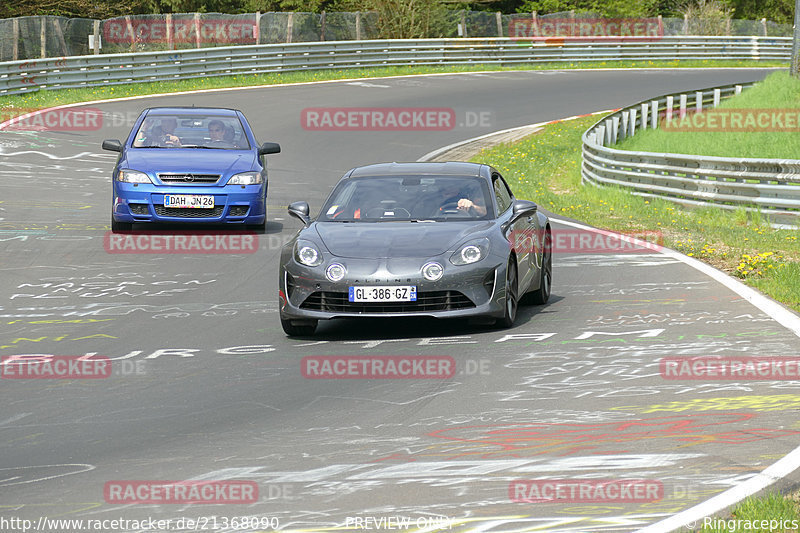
pixel 198 161
pixel 396 239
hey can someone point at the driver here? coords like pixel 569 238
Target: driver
pixel 458 196
pixel 216 131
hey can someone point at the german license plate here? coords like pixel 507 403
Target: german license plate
pixel 188 201
pixel 401 293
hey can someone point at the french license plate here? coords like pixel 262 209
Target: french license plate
pixel 402 293
pixel 188 201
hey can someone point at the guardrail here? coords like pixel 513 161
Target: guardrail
pixel 111 69
pixel 769 185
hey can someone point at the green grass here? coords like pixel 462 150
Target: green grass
pixel 12 105
pixel 752 511
pixel 778 91
pixel 545 167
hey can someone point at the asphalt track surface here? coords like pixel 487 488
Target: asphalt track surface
pixel 207 387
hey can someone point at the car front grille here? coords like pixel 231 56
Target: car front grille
pixel 194 179
pixel 179 212
pixel 337 302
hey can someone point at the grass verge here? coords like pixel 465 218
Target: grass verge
pixel 13 105
pixel 765 514
pixel 546 167
pixel 779 91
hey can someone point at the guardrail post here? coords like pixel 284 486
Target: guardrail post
pixel 764 26
pixel 600 135
pixel 258 27
pixel 653 114
pixel 170 43
pixel 644 116
pixel 624 130
pixel 698 101
pixel 358 25
pixel 96 43
pixel 15 39
pixel 499 19
pixel 464 22
pixel 290 27
pixel 129 25
pixel 197 30
pixel 43 36
pixel 632 122
pixel 322 26
pixel 717 93
pixel 670 104
pixel 609 128
pixel 682 110
pixel 737 89
pixel 614 129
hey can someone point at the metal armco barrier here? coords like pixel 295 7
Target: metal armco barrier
pixel 143 67
pixel 770 185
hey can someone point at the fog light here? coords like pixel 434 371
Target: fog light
pixel 335 272
pixel 432 271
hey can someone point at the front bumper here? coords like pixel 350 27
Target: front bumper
pixel 463 291
pixel 144 202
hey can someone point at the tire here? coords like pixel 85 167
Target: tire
pixel 542 294
pixel 118 227
pixel 512 295
pixel 305 330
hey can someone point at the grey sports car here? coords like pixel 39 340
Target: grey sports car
pixel 444 240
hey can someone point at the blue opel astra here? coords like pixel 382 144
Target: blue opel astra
pixel 187 164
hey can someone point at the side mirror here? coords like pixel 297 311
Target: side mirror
pixel 520 207
pixel 112 145
pixel 269 148
pixel 300 210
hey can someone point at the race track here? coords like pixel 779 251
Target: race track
pixel 206 385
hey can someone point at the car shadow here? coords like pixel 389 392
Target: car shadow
pixel 270 228
pixel 351 329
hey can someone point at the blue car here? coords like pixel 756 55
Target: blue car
pixel 186 164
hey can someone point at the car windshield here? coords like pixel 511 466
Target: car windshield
pixel 408 198
pixel 191 131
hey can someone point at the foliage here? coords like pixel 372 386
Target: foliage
pixel 708 17
pixel 407 19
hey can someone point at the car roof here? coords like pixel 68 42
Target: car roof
pixel 450 168
pixel 218 111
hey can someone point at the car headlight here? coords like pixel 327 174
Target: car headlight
pixel 133 176
pixel 246 178
pixel 307 253
pixel 471 252
pixel 335 272
pixel 432 271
